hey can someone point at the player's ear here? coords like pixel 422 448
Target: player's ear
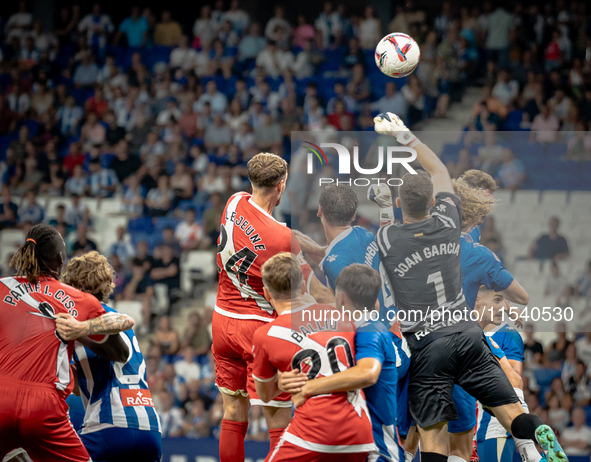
pixel 432 201
pixel 267 295
pixel 339 299
pixel 319 214
pixel 398 203
pixel 376 305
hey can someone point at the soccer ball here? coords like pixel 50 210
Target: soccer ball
pixel 397 55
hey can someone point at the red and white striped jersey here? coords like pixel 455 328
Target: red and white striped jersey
pixel 249 236
pixel 296 340
pixel 30 349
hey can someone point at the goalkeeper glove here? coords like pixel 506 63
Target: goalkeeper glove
pixel 390 124
pixel 381 195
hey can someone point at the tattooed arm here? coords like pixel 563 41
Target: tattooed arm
pixel 69 328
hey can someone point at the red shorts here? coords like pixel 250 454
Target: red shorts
pixel 286 451
pixel 232 352
pixel 35 417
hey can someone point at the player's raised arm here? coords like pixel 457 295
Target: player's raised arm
pixel 390 124
pixel 69 328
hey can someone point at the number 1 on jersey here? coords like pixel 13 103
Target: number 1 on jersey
pixel 437 279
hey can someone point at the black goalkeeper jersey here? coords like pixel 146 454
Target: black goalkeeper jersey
pixel 423 264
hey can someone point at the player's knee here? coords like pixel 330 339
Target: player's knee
pixel 236 408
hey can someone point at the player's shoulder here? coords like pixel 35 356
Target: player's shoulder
pixel 507 331
pixel 72 291
pixel 371 326
pixel 448 198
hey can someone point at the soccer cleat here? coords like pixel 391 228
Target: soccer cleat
pixel 549 443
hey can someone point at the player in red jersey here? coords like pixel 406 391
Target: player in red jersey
pixel 330 427
pixel 249 236
pixel 38 317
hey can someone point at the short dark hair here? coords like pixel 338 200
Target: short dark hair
pixel 282 275
pixel 361 284
pixel 266 170
pixel 416 193
pixel 338 204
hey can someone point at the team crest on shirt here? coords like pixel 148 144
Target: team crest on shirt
pixel 136 397
pixel 331 258
pixel 495 344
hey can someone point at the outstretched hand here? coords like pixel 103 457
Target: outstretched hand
pixel 388 123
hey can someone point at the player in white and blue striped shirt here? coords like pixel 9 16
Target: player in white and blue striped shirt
pixel 120 422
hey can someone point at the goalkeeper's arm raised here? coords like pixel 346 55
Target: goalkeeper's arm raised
pixel 390 124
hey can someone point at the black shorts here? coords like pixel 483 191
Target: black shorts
pixel 463 358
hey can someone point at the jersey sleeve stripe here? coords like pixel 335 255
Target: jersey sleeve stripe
pixel 447 221
pixel 383 241
pixel 258 379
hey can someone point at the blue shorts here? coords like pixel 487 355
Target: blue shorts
pixel 123 444
pixel 497 450
pixel 466 407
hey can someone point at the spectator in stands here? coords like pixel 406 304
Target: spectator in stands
pixel 189 233
pixel 166 270
pixel 558 417
pixel 134 28
pixel 544 126
pixel 77 183
pixel 531 345
pixel 582 284
pixel 183 57
pixel 69 116
pixel 257 425
pixel 166 338
pixel 576 440
pixel 273 60
pixel 569 364
pixel 124 164
pixel 359 87
pixel 86 73
pixel 187 369
pixel 278 22
pixel 171 417
pixel 583 345
pixel 506 90
pixel 556 285
pixel 159 200
pixel 267 135
pixel 500 25
pixel 196 423
pixel 122 247
pixel 392 101
pixel 551 246
pixel 197 335
pixel 215 98
pixel 370 29
pixel 30 211
pixel 8 209
pixel 212 217
pixel 511 172
pixel 579 146
pixel 97 27
pixel 251 45
pixel 167 32
pixel 102 181
pixel 82 244
pixel 579 385
pixel 19 23
pixel 217 133
pixel 448 65
pixel 77 213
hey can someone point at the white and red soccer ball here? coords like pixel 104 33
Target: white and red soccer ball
pixel 397 55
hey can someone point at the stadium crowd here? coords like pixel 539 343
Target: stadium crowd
pixel 166 119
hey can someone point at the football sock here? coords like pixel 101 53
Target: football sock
pixel 232 441
pixel 432 457
pixel 524 426
pixel 526 448
pixel 275 436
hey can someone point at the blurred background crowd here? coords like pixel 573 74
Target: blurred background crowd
pixel 152 118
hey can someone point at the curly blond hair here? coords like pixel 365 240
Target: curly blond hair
pixel 90 273
pixel 475 204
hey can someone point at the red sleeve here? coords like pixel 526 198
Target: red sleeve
pixel 304 266
pixel 262 367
